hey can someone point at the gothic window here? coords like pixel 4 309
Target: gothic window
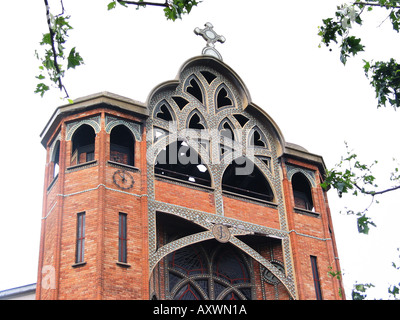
pixel 242 177
pixel 196 121
pixel 257 138
pixel 302 192
pixel 223 97
pixel 226 129
pixel 55 159
pixel 194 89
pixel 83 145
pixel 181 162
pixel 199 272
pixel 122 145
pixel 163 111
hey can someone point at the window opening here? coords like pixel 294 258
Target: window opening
pixel 241 119
pixel 83 145
pixel 317 282
pixel 206 271
pixel 122 145
pixel 122 238
pixel 257 139
pixel 196 122
pixel 180 102
pixel 223 99
pixel 244 178
pixel 227 131
pixel 302 192
pixel 56 159
pixel 80 238
pixel 164 113
pixel 208 76
pixel 194 90
pixel 180 161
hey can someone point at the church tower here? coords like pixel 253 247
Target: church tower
pixel 194 194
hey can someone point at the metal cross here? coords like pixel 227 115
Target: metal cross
pixel 211 37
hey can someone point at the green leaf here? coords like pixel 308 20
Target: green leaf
pixel 111 5
pixel 74 59
pixel 363 224
pixel 46 39
pixel 41 88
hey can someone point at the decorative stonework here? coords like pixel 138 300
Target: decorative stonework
pixel 134 127
pixel 94 122
pixel 309 174
pixel 199 92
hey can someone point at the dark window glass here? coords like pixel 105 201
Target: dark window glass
pixel 80 238
pixel 122 248
pixel 317 283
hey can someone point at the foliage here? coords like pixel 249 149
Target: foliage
pixel 359 290
pixel 52 71
pixel 336 275
pixel 353 177
pixel 54 51
pixel 384 76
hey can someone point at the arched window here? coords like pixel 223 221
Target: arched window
pixel 207 271
pixel 122 145
pixel 55 159
pixel 302 192
pixel 179 161
pixel 243 177
pixel 83 145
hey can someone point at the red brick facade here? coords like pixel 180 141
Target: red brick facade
pixel 165 215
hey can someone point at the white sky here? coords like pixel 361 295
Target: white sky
pixel 272 45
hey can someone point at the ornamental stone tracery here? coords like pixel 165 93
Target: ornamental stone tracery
pixel 211 106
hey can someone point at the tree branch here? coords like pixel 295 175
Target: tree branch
pixel 144 3
pixel 374 193
pixel 375 5
pixel 60 84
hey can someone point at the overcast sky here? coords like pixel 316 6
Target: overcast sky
pixel 273 46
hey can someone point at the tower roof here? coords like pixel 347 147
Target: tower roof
pixel 85 103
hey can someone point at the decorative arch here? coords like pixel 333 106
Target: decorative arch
pixel 179 161
pixel 226 129
pixel 208 271
pixel 164 111
pixel 257 138
pixel 112 122
pixel 196 120
pixel 302 194
pixel 122 145
pixel 223 97
pixel 194 88
pixel 93 122
pixel 83 144
pixel 243 177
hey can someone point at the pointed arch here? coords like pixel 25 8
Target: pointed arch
pixel 194 88
pixel 83 144
pixel 225 129
pixel 181 162
pixel 223 97
pixel 302 192
pixel 257 138
pixel 164 111
pixel 242 177
pixel 122 145
pixel 195 120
